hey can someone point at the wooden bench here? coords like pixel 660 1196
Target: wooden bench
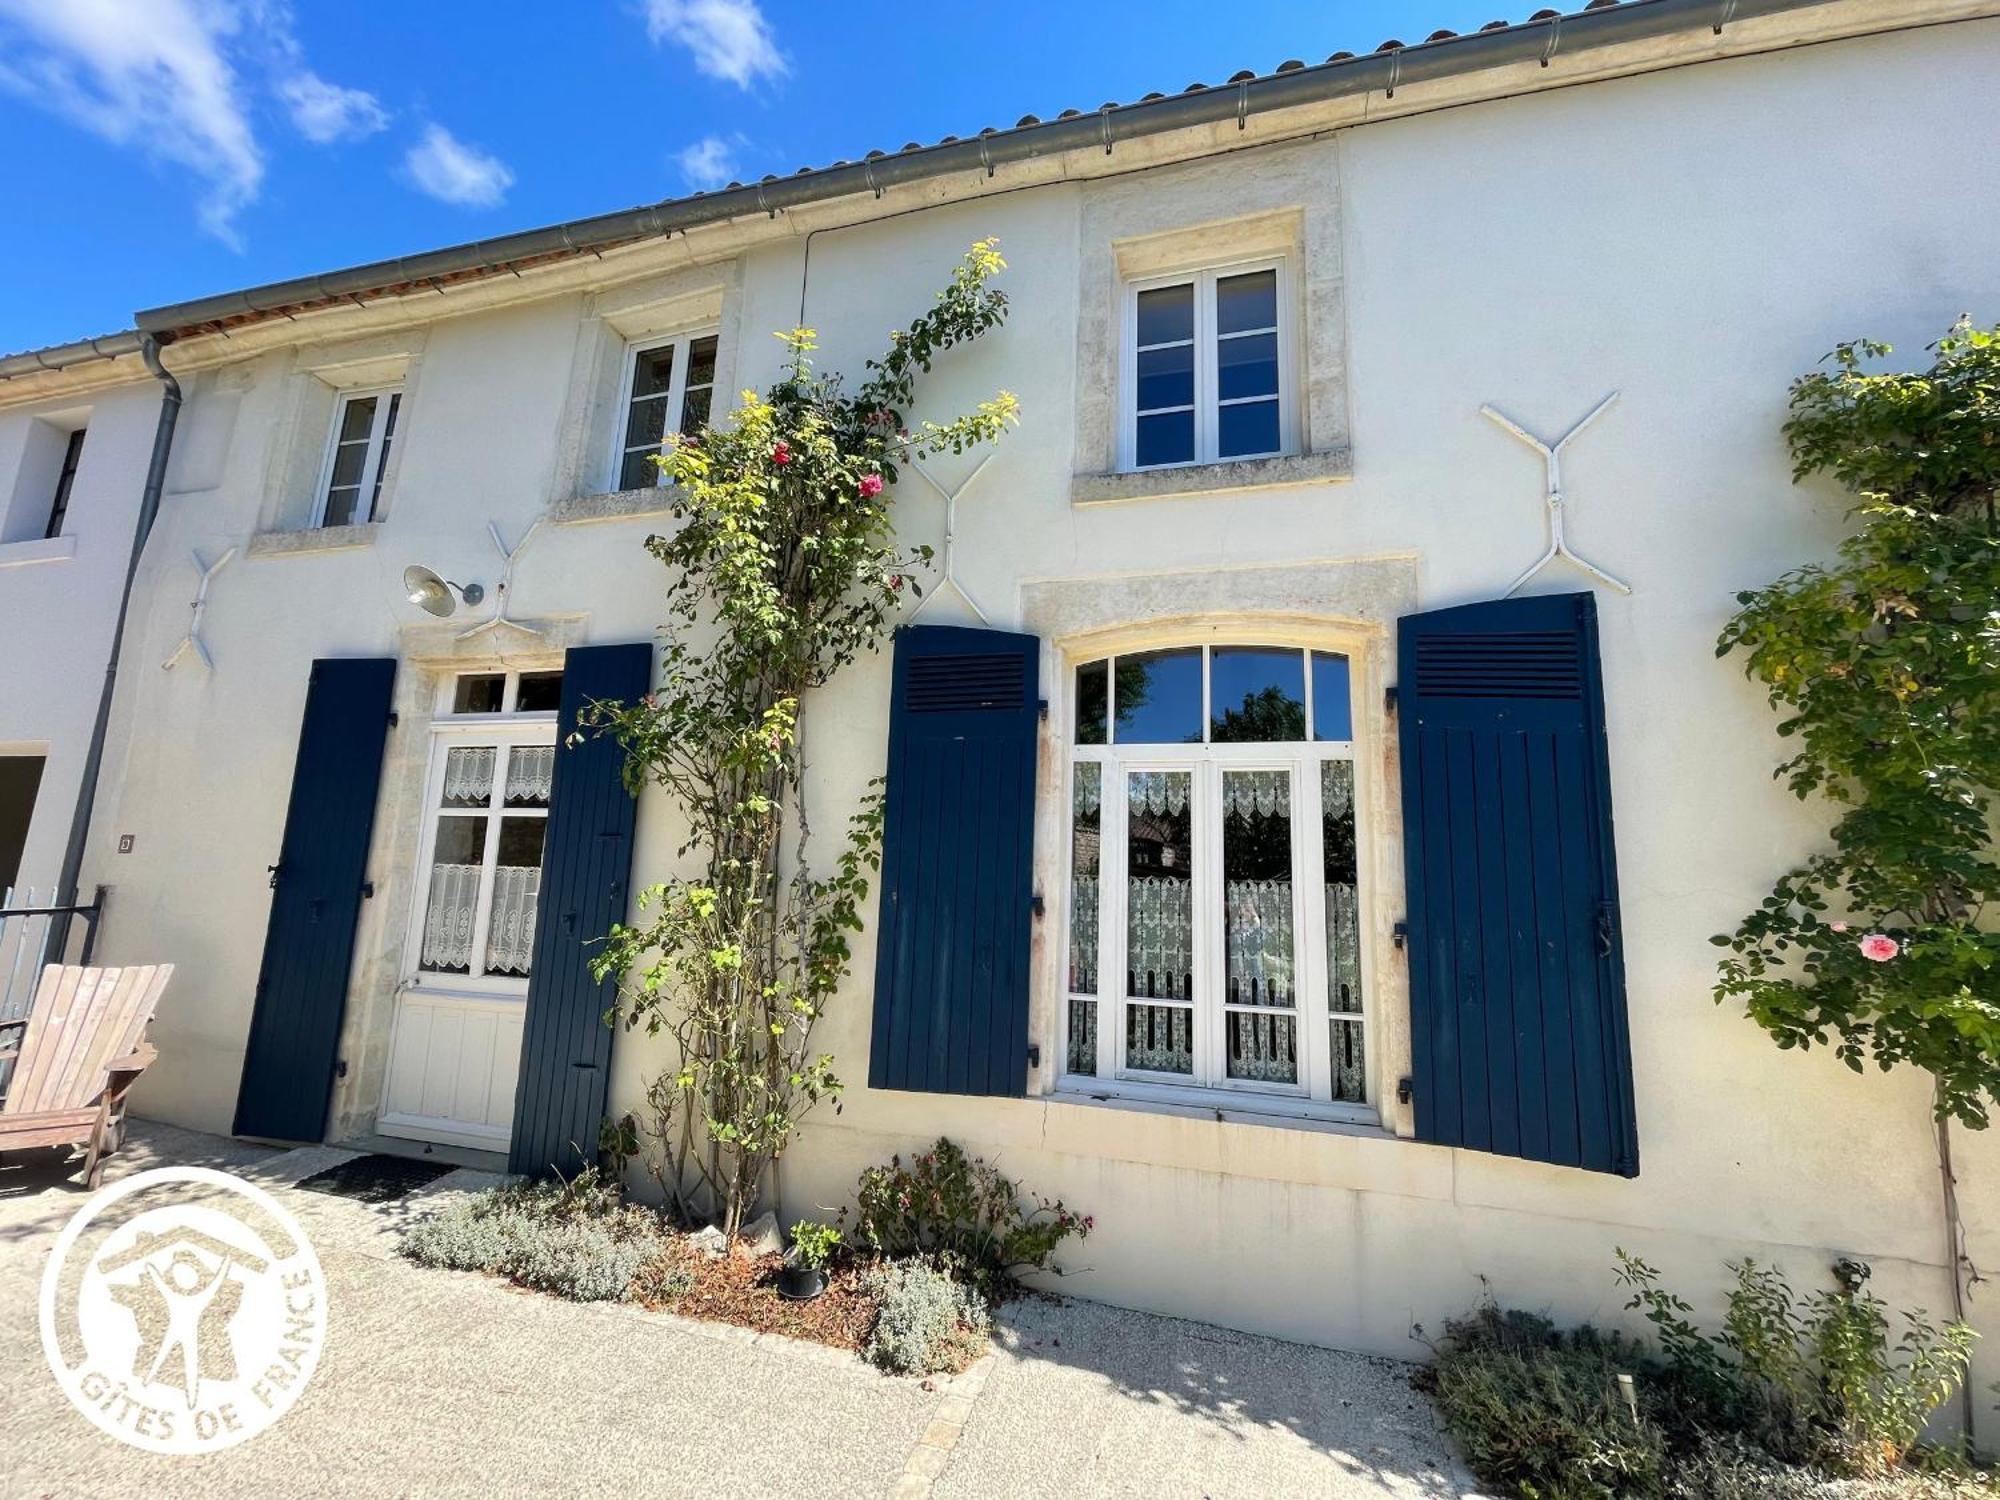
pixel 81 1049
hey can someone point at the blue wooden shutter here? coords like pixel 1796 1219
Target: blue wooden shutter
pixel 559 1100
pixel 288 1062
pixel 1517 983
pixel 957 887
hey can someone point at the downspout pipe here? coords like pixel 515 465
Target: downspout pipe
pixel 93 761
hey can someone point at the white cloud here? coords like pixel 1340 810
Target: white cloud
pixel 708 163
pixel 730 39
pixel 448 169
pixel 327 112
pixel 152 74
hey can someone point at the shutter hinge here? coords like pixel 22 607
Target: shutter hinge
pixel 1401 933
pixel 367 890
pixel 1389 701
pixel 1406 1089
pixel 273 869
pixel 340 1068
pixel 1039 906
pixel 1042 707
pixel 394 718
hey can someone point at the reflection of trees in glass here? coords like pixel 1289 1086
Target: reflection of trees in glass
pixel 1267 716
pixel 1256 846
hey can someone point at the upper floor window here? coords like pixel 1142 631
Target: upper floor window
pixel 357 457
pixel 65 477
pixel 669 387
pixel 1207 368
pixel 1214 891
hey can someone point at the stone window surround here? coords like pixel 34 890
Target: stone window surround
pixel 1346 605
pixel 1274 202
pixel 295 465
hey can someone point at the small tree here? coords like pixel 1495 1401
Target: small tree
pixel 783 568
pixel 1887 664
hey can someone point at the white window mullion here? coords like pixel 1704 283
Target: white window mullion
pixel 1308 839
pixel 1207 378
pixel 1111 853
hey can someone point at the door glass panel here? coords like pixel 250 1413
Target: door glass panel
pixel 1092 685
pixel 468 776
pixel 1343 929
pixel 1257 694
pixel 530 768
pixel 1159 926
pixel 1086 811
pixel 1333 707
pixel 1159 697
pixel 456 862
pixel 1259 951
pixel 517 883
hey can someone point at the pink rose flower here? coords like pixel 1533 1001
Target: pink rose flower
pixel 871 486
pixel 1879 947
pixel 1838 926
pixel 896 582
pixel 782 454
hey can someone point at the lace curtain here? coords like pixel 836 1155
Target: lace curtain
pixel 1257 918
pixel 510 931
pixel 1263 1048
pixel 468 776
pixel 1158 791
pixel 530 771
pixel 1266 794
pixel 1083 1037
pixel 1159 1038
pixel 448 917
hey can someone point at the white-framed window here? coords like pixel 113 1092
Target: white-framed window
pixel 486 810
pixel 1214 885
pixel 357 457
pixel 1207 367
pixel 668 388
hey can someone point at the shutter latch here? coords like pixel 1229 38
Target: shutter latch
pixel 1401 935
pixel 1606 920
pixel 1039 906
pixel 1406 1089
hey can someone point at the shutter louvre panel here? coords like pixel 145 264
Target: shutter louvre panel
pixel 954 924
pixel 560 1096
pixel 1520 1043
pixel 294 1040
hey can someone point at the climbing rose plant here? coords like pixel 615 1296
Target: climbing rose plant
pixel 782 569
pixel 1887 667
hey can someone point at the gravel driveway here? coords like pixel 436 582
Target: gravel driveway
pixel 434 1383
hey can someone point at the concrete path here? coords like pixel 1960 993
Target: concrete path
pixel 438 1384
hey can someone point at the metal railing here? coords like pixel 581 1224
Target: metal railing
pixel 25 925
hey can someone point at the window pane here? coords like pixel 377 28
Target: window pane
pixel 1333 707
pixel 1246 367
pixel 1085 816
pixel 652 371
pixel 340 506
pixel 647 423
pixel 539 692
pixel 701 362
pixel 638 471
pixel 1166 440
pixel 1166 377
pixel 468 776
pixel 1257 929
pixel 1159 921
pixel 1159 697
pixel 1257 694
pixel 478 694
pixel 356 418
pixel 348 460
pixel 456 863
pixel 695 409
pixel 1166 314
pixel 1343 929
pixel 1092 679
pixel 382 463
pixel 1251 428
pixel 1246 302
pixel 530 769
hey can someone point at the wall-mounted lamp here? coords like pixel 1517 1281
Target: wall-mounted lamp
pixel 433 594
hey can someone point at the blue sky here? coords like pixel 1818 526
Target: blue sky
pixel 154 150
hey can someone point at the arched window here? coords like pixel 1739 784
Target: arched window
pixel 1214 918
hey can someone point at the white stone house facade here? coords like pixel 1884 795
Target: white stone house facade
pixel 1686 218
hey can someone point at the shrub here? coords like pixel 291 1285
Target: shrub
pixel 1538 1410
pixel 960 1207
pixel 928 1320
pixel 577 1239
pixel 815 1244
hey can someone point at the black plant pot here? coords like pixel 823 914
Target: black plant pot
pixel 801 1283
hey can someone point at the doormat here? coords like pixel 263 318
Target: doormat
pixel 376 1178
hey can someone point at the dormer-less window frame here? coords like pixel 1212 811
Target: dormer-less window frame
pixel 1207 369
pixel 668 386
pixel 357 457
